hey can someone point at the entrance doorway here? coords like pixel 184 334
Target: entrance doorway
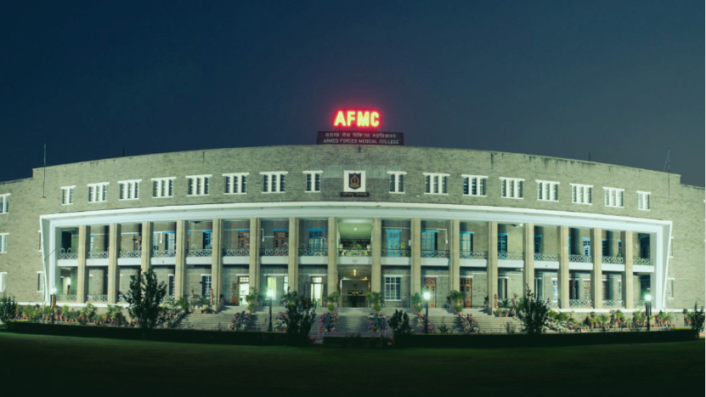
pixel 393 242
pixel 280 242
pixel 466 288
pixel 502 288
pixel 430 286
pixel 240 290
pixel 317 289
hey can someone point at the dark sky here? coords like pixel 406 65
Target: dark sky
pixel 623 80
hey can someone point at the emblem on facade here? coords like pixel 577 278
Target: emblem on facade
pixel 354 180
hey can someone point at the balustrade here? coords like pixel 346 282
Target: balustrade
pixel 546 257
pixel 96 298
pixel 515 256
pixel 67 254
pixel 307 251
pixel 199 253
pixel 130 254
pixel 392 252
pixel 98 255
pixel 236 251
pixel 163 253
pixel 581 258
pixel 474 254
pixel 612 303
pixel 580 303
pixel 435 254
pixel 274 251
pixel 66 298
pixel 642 261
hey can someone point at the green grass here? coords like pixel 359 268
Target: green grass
pixel 111 367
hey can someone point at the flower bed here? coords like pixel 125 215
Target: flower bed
pixel 241 321
pixel 377 322
pixel 328 322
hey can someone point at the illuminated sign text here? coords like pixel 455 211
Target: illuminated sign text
pixel 357 119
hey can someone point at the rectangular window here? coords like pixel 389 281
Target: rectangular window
pixel 511 188
pixel 4 203
pixel 40 282
pixel 581 194
pixel 466 241
pixel 3 282
pixel 3 243
pixel 537 243
pixel 273 182
pixel 198 185
pixel 547 191
pixel 171 285
pixel 502 242
pixel 129 190
pixel 436 183
pixel 285 287
pixel 67 195
pixel 396 181
pixel 474 185
pixel 236 183
pixel 392 288
pixel 313 181
pixel 162 187
pixel 643 201
pixel 271 284
pixel 555 289
pixel 613 197
pixel 97 192
pixel 205 285
pixel 670 288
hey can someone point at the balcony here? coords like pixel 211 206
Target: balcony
pixel 67 255
pixel 199 253
pixel 613 260
pixel 474 254
pixel 435 254
pixel 163 253
pixel 612 303
pixel 580 303
pixel 396 253
pixel 130 254
pixel 313 251
pixel 642 261
pixel 236 251
pixel 98 255
pixel 581 258
pixel 353 252
pixel 546 257
pixel 512 256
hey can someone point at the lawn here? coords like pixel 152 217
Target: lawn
pixel 104 366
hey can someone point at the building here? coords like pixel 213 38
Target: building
pixel 392 219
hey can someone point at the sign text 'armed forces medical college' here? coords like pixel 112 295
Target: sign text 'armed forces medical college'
pixel 359 127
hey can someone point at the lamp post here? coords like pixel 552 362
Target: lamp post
pixel 648 309
pixel 427 296
pixel 271 295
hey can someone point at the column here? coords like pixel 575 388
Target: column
pixel 529 259
pixel 455 255
pixel 332 231
pixel 416 274
pixel 146 246
pixel 293 259
pixel 492 269
pixel 82 275
pixel 217 261
pixel 597 273
pixel 376 246
pixel 626 238
pixel 254 253
pixel 113 249
pixel 563 267
pixel 180 260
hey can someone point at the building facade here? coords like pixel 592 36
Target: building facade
pixel 318 219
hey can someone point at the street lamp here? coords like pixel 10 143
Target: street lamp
pixel 271 295
pixel 427 296
pixel 648 309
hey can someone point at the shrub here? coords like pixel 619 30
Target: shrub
pixel 697 320
pixel 144 298
pixel 301 314
pixel 535 313
pixel 399 322
pixel 8 310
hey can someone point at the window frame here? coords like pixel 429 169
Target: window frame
pixel 518 188
pixel 3 282
pixel 583 189
pixel 199 190
pixel 642 198
pixel 396 177
pixel 130 188
pixel 92 197
pixel 468 181
pixel 236 188
pixel 68 193
pixel 437 183
pixel 398 289
pixel 315 180
pixel 166 183
pixel 608 196
pixel 267 189
pixel 3 242
pixel 5 203
pixel 553 190
pixel 41 281
pixel 669 292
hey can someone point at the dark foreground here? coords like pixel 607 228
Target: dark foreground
pixel 116 367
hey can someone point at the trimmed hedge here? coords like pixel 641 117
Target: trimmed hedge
pixel 160 335
pixel 547 340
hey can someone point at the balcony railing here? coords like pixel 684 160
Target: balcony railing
pixel 313 251
pixel 98 255
pixel 612 303
pixel 515 256
pixel 581 258
pixel 353 252
pixel 580 303
pixel 130 254
pixel 66 298
pixel 615 260
pixel 435 254
pixel 474 254
pixel 199 253
pixel 236 251
pixel 274 251
pixel 163 253
pixel 642 261
pixel 397 253
pixel 66 254
pixel 550 302
pixel 97 298
pixel 546 257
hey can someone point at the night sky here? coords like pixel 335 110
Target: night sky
pixel 622 80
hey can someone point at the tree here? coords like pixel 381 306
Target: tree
pixel 534 313
pixel 145 298
pixel 301 314
pixel 399 322
pixel 8 310
pixel 697 320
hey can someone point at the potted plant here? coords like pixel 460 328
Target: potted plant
pixel 416 301
pixel 333 300
pixel 375 300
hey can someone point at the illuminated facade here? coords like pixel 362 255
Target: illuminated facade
pixel 317 219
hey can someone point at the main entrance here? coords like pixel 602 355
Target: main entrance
pixel 430 286
pixel 466 289
pixel 239 290
pixel 354 285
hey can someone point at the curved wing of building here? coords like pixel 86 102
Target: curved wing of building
pixel 354 219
